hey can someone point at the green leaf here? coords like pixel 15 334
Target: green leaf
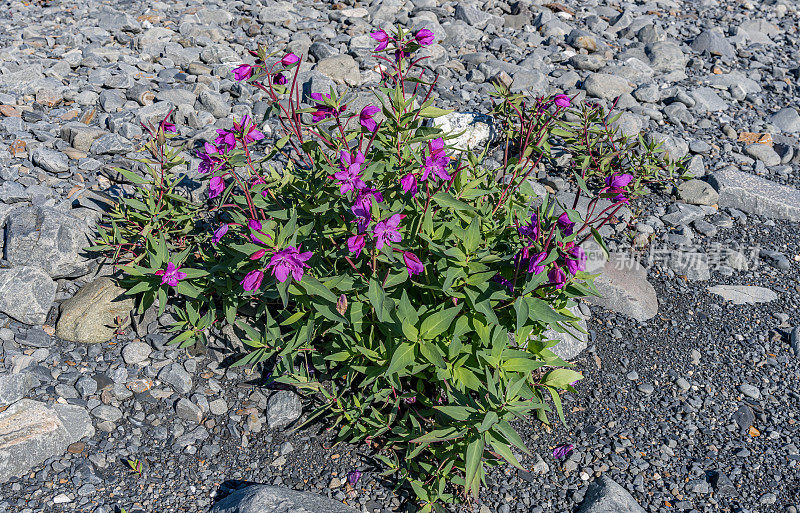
pixel 561 378
pixel 459 413
pixel 472 235
pixel 431 353
pixel 313 287
pixel 540 311
pixel 503 450
pixel 489 420
pixel 439 435
pixel 403 356
pixel 438 322
pixel 473 462
pixel 433 112
pixel 446 200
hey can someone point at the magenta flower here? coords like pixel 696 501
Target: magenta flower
pixel 562 100
pixel 289 261
pixel 577 262
pixel 565 224
pixel 356 244
pixel 208 160
pixel 557 277
pixel 255 225
pixel 425 37
pixel 386 231
pixel 497 278
pixel 290 59
pixel 215 187
pixel 618 181
pixel 530 230
pixel 413 265
pixel 382 38
pixel 365 118
pixel 167 126
pixel 323 111
pixel 243 72
pixel 399 54
pixel 353 477
pixel 436 163
pixel 363 203
pixel 535 265
pixel 226 139
pixel 350 175
pixel 279 79
pixel 219 233
pixel 172 275
pixel 562 451
pixel 252 280
pixel 409 184
pixel 615 184
pixel 249 131
pixel 258 254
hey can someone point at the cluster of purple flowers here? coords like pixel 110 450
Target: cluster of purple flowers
pixel 246 71
pixel 384 232
pixel 573 256
pixel 212 158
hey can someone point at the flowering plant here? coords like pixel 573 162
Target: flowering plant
pixel 366 261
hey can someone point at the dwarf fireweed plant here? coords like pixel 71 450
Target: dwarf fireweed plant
pixel 406 288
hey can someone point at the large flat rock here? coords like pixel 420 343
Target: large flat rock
pixel 606 496
pixel 756 195
pixel 624 288
pixel 31 432
pixel 274 499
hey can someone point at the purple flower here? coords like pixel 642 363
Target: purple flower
pixel 350 175
pixel 353 477
pixel 255 225
pixel 215 187
pixel 409 184
pixel 279 79
pixel 219 233
pixel 437 162
pixel 226 139
pixel 399 54
pixel 504 282
pixel 565 224
pixel 413 265
pixel 250 132
pixel 386 231
pixel 252 280
pixel 577 262
pixel 172 275
pixel 425 37
pixel 530 230
pixel 562 451
pixel 290 59
pixel 562 100
pixel 167 126
pixel 616 182
pixel 557 277
pixel 208 162
pixel 534 266
pixel 365 118
pixel 356 244
pixel 382 38
pixel 289 261
pixel 363 203
pixel 243 72
pixel 323 111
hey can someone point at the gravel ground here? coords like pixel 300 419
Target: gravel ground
pixel 692 410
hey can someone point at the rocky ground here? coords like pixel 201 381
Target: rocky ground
pixel 690 401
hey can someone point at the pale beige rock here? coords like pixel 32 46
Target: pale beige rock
pixel 90 317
